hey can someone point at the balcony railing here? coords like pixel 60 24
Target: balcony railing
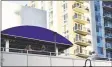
pixel 108 36
pixel 109 6
pixel 108 25
pixel 109 49
pixel 82 42
pixel 36 52
pixel 18 59
pixel 108 15
pixel 82 53
pixel 82 31
pixel 108 46
pixel 80 9
pixel 81 21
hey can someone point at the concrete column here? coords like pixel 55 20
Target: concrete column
pixel 7 45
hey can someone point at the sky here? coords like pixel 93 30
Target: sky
pixel 20 2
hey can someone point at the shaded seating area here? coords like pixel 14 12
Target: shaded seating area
pixel 35 39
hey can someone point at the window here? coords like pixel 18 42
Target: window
pixel 51 14
pixel 109 54
pixel 97 28
pixel 98 39
pixel 76 26
pixel 80 37
pixel 100 50
pixel 80 27
pixel 64 28
pixel 97 19
pixel 97 7
pixel 77 49
pixel 80 49
pixel 76 37
pixel 75 16
pixel 65 6
pixel 65 16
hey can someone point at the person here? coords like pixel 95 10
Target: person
pixel 28 47
pixel 43 48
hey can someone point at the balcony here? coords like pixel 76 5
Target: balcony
pixel 107 7
pixel 80 1
pixel 83 53
pixel 108 46
pixel 108 26
pixel 82 31
pixel 109 49
pixel 108 37
pixel 80 9
pixel 82 42
pixel 81 21
pixel 107 14
pixel 108 17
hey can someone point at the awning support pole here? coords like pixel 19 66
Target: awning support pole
pixel 7 45
pixel 56 48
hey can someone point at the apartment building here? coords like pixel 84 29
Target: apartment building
pixel 19 15
pixel 102 28
pixel 72 20
pixel 107 17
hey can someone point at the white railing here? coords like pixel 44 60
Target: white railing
pixel 39 52
pixel 29 59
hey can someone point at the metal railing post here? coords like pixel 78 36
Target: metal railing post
pixel 73 62
pixel 2 56
pixel 27 58
pixel 50 59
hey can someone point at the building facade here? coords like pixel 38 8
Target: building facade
pixel 102 28
pixel 72 20
pixel 107 17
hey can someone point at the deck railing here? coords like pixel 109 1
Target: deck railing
pixel 33 57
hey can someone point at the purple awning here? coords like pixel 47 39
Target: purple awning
pixel 38 33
